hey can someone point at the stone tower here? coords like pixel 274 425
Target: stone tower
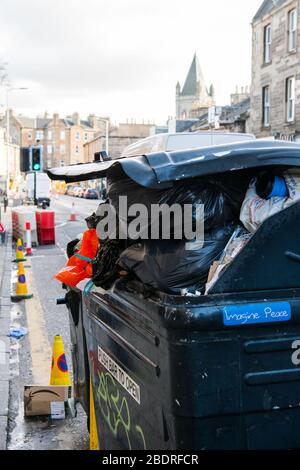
pixel 194 99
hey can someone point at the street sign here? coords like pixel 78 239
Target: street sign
pixel 211 115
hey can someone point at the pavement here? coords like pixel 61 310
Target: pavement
pixel 30 357
pixel 5 310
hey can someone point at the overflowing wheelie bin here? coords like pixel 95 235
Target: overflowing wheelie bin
pixel 212 364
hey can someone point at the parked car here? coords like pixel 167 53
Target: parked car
pixel 78 191
pixel 183 141
pixel 91 194
pixel 70 190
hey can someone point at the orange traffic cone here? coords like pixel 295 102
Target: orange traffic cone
pixel 60 374
pixel 21 287
pixel 72 217
pixel 19 252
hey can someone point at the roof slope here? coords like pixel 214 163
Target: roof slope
pixel 267 6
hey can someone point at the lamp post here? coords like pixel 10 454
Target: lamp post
pixel 8 90
pixel 106 132
pixel 106 147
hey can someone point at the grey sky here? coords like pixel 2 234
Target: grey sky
pixel 121 57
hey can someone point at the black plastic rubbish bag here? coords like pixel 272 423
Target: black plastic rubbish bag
pixel 104 266
pixel 221 196
pixel 171 266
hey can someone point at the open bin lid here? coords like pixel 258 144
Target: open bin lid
pixel 154 169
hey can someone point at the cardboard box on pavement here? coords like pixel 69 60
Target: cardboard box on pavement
pixel 45 400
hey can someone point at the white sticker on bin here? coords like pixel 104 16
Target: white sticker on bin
pixel 57 410
pixel 120 375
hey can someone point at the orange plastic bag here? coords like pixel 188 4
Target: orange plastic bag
pixel 89 246
pixel 71 275
pixel 77 269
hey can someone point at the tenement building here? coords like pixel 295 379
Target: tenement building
pixel 275 90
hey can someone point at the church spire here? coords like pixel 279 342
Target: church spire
pixel 194 83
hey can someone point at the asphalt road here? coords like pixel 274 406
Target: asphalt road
pixel 31 356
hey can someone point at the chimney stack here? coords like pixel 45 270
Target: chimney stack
pixel 76 119
pixel 55 119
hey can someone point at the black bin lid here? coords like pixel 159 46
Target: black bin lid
pixel 155 169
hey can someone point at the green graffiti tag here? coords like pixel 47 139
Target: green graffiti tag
pixel 115 410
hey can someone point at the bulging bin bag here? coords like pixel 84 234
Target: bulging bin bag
pixel 256 210
pixel 171 266
pixel 221 196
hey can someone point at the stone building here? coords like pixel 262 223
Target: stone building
pixel 231 118
pixel 119 138
pixel 275 90
pixel 9 155
pixel 241 94
pixel 194 98
pixel 61 138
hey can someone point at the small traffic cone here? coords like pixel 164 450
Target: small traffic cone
pixel 21 286
pixel 60 374
pixel 72 217
pixel 19 252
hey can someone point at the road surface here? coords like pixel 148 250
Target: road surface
pixel 31 356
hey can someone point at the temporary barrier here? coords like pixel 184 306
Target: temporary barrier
pixel 28 240
pixel 20 216
pixel 45 220
pixel 72 217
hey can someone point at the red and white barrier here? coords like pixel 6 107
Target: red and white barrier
pixel 72 217
pixel 28 240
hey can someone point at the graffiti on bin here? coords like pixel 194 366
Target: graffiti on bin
pixel 115 410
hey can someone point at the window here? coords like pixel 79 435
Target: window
pixel 267 43
pixel 62 135
pixel 292 30
pixel 62 149
pixel 49 149
pixel 266 106
pixel 77 135
pixel 49 135
pixel 77 150
pixel 29 135
pixel 290 99
pixel 86 136
pixel 39 135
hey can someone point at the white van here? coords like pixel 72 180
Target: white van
pixel 43 187
pixel 183 141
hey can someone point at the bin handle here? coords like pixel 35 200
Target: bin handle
pixel 84 258
pixel 88 287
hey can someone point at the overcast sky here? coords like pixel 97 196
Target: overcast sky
pixel 121 58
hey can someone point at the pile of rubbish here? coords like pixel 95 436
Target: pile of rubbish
pixel 235 205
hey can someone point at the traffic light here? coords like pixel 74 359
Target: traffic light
pixel 24 159
pixel 36 159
